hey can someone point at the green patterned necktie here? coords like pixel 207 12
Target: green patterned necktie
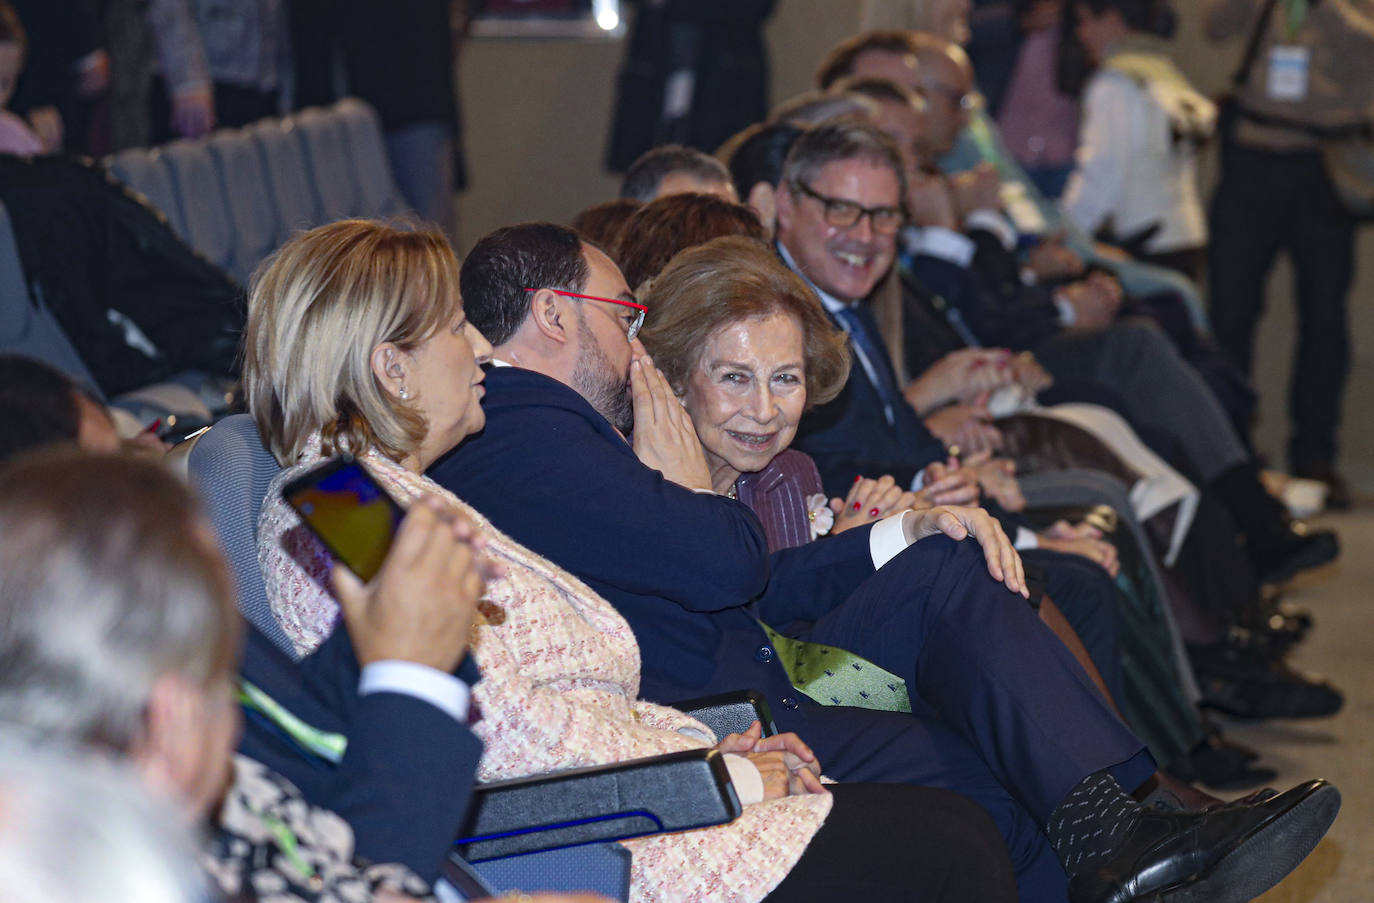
pixel 834 676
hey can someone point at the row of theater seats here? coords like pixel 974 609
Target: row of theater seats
pixel 236 195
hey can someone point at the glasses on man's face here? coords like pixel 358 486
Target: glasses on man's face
pixel 843 214
pixel 631 323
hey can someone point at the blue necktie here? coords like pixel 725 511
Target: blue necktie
pixel 863 334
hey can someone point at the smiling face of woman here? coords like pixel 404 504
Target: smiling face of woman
pixel 746 394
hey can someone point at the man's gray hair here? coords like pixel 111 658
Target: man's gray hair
pixel 838 140
pixel 815 107
pixel 109 579
pixel 647 173
pixel 76 829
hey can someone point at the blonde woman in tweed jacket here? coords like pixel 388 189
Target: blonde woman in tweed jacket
pixel 357 341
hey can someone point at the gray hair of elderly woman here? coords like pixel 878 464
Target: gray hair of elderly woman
pixel 109 579
pixel 814 107
pixel 77 829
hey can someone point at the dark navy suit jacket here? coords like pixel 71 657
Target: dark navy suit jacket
pixel 999 310
pixel 689 571
pixel 406 778
pixel 850 436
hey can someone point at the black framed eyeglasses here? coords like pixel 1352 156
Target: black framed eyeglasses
pixel 631 327
pixel 844 214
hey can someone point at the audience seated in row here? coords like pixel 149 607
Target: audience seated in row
pixel 591 538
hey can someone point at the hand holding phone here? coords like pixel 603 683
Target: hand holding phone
pixel 419 602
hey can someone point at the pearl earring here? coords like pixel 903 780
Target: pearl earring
pixel 405 396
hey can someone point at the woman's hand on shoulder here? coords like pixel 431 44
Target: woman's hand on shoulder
pixel 664 437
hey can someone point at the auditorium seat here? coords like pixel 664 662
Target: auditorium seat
pixel 145 171
pixel 288 176
pixel 236 195
pixel 247 200
pixel 27 327
pixel 325 141
pixel 378 192
pixel 203 208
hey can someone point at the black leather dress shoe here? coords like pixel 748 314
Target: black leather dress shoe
pixel 1222 765
pixel 1302 547
pixel 1230 854
pixel 1243 678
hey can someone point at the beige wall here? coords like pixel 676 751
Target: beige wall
pixel 537 114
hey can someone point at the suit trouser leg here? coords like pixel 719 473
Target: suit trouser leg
pixel 898 842
pixel 1078 486
pixel 1248 221
pixel 860 745
pixel 1322 244
pixel 1087 598
pixel 978 656
pixel 1161 390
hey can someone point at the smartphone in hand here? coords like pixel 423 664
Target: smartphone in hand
pixel 351 514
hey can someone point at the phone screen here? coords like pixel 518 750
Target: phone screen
pixel 352 515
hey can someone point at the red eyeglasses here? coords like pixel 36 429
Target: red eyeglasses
pixel 632 327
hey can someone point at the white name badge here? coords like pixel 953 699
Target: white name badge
pixel 1288 71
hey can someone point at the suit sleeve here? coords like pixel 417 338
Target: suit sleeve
pixel 405 780
pixel 811 580
pixel 594 509
pixel 1021 320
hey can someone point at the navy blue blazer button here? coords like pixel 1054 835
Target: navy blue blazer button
pixel 763 654
pixel 789 702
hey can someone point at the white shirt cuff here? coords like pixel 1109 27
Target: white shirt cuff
pixel 945 244
pixel 746 778
pixel 1026 539
pixel 994 222
pixel 887 539
pixel 443 691
pixel 1067 315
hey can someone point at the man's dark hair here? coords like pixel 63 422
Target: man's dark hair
pixel 37 405
pixel 601 223
pixel 653 166
pixel 506 262
pixel 660 229
pixel 12 30
pixel 758 156
pixel 1139 15
pixel 839 62
pixel 880 89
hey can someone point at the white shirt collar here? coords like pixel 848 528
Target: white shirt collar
pixel 830 302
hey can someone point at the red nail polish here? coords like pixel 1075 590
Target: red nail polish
pixel 873 513
pixel 858 478
pixel 857 506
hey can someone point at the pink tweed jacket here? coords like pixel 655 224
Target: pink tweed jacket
pixel 560 678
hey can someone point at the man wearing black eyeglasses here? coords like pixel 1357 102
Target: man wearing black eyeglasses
pixel 838 215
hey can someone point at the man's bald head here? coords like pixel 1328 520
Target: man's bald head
pixel 944 77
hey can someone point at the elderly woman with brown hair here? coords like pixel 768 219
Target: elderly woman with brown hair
pixel 357 341
pixel 747 347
